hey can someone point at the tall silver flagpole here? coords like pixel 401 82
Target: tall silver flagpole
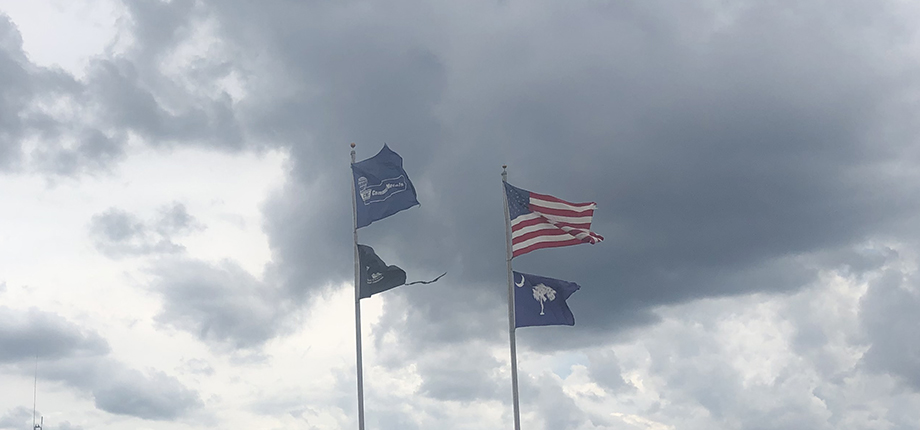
pixel 508 256
pixel 358 364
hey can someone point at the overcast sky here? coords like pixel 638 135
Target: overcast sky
pixel 175 223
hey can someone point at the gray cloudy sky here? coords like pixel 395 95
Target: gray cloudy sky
pixel 175 244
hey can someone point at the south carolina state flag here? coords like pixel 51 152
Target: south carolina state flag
pixel 539 300
pixel 543 221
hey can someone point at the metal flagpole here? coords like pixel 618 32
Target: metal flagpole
pixel 508 255
pixel 358 364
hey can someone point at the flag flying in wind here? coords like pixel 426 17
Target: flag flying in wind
pixel 543 221
pixel 541 301
pixel 377 276
pixel 382 187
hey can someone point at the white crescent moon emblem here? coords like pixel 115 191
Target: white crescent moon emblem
pixel 522 282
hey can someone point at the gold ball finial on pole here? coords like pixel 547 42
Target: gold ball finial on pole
pixel 352 144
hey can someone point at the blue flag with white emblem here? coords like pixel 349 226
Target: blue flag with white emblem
pixel 382 187
pixel 539 300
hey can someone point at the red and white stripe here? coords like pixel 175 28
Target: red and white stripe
pixel 552 222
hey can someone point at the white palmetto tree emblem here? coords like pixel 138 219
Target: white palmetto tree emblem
pixel 542 294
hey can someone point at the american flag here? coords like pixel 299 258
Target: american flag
pixel 543 221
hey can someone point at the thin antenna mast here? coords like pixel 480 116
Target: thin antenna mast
pixel 34 392
pixel 35 398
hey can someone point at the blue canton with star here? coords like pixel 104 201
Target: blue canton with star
pixel 518 201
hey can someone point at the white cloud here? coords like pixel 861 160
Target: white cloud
pixel 174 212
pixel 65 34
pixel 55 267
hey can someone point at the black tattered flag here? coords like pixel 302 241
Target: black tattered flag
pixel 377 276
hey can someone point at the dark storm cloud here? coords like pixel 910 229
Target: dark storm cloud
pixel 127 100
pixel 219 304
pixel 159 25
pixel 726 148
pixel 314 213
pixel 118 233
pixel 889 314
pixel 463 373
pixel 700 131
pixel 719 144
pixel 463 312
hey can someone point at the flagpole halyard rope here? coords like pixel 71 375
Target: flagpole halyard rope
pixel 511 337
pixel 359 367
